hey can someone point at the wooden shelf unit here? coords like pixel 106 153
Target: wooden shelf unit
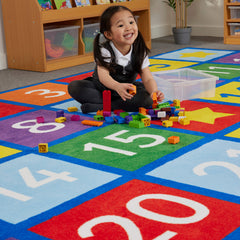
pixel 228 20
pixel 24 23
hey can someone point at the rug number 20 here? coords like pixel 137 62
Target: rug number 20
pixel 133 232
pixel 115 137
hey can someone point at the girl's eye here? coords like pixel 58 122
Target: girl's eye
pixel 121 25
pixel 132 22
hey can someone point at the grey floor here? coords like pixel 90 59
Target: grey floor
pixel 11 78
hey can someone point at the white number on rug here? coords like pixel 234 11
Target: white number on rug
pixel 114 137
pixel 34 127
pixel 47 91
pixel 199 170
pixel 158 139
pixel 31 182
pixel 134 207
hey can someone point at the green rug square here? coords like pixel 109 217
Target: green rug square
pixel 123 147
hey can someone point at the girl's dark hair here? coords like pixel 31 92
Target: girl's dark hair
pixel 140 50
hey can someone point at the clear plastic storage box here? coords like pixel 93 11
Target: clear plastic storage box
pixel 61 41
pixel 185 84
pixel 234 11
pixel 89 33
pixel 234 29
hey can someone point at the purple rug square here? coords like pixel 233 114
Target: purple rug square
pixel 24 129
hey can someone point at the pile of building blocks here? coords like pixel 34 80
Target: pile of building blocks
pixel 163 112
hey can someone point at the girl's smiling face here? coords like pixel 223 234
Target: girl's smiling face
pixel 124 31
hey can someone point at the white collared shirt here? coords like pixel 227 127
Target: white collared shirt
pixel 121 59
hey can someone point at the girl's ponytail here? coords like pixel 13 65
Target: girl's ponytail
pixel 96 48
pixel 140 51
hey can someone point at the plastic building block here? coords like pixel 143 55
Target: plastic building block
pixel 176 113
pixel 118 111
pixel 59 113
pixel 133 92
pixel 143 111
pixel 123 114
pixel 146 121
pixel 100 112
pixel 161 114
pixel 98 117
pixel 107 113
pixel 176 103
pixel 75 118
pixel 43 147
pixel 40 119
pixel 163 105
pixel 92 123
pixel 167 123
pixel 184 121
pixel 106 101
pixel 60 119
pixel 72 109
pixel 154 97
pixel 173 139
pixel 155 102
pixel 174 119
pixel 136 124
pixel 128 119
pixel 109 120
pixel 181 113
pixel 119 119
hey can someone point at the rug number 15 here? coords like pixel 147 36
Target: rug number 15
pixel 115 137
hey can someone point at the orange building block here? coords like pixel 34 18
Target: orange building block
pixel 142 110
pixel 133 92
pixel 173 140
pixel 92 123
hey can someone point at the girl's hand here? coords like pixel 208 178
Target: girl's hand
pixel 122 90
pixel 160 96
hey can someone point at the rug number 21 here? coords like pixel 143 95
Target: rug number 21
pixel 115 137
pixel 31 182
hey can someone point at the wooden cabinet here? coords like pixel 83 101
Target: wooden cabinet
pixel 24 24
pixel 231 22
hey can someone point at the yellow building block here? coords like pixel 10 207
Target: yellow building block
pixel 61 119
pixel 167 123
pixel 176 103
pixel 173 119
pixel 72 109
pixel 43 147
pixel 184 121
pixel 146 121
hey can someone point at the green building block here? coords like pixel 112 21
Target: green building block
pixel 136 124
pixel 98 117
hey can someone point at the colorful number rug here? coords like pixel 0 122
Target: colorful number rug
pixel 117 182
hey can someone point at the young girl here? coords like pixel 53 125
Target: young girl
pixel 119 59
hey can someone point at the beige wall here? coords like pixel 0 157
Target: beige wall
pixel 205 16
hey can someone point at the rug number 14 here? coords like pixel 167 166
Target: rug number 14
pixel 31 182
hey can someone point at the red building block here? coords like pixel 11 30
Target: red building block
pixel 106 101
